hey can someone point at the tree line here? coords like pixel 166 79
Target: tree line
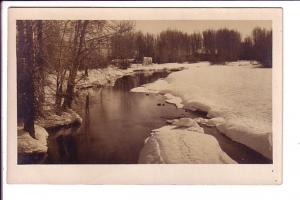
pixel 216 46
pixel 62 48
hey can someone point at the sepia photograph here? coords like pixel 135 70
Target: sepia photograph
pixel 145 91
pixel 149 92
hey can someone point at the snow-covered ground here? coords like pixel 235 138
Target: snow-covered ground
pixel 182 142
pixel 238 95
pixel 27 144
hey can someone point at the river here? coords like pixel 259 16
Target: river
pixel 116 123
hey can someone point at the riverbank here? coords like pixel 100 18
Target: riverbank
pixel 35 149
pixel 53 120
pixel 108 76
pixel 236 96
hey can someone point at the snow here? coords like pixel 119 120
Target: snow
pixel 27 144
pixel 174 100
pixel 142 90
pixel 238 94
pixel 187 123
pixel 210 122
pixel 108 76
pixel 53 120
pixel 182 142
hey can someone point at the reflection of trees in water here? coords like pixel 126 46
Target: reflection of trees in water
pixel 62 147
pixel 87 104
pixel 130 81
pixel 87 115
pixel 125 83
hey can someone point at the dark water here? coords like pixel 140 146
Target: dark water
pixel 116 122
pixel 238 152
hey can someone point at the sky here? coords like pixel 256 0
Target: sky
pixel 245 27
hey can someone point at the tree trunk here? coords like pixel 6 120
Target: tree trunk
pixel 60 77
pixel 86 73
pixel 39 76
pixel 28 100
pixel 20 67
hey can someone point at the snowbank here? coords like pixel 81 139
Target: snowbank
pixel 182 142
pixel 239 95
pixel 27 144
pixel 53 120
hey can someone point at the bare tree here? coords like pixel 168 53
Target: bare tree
pixel 80 31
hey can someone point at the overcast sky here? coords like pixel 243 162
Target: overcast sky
pixel 245 27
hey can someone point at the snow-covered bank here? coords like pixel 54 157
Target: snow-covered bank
pixel 29 145
pixel 239 95
pixel 182 142
pixel 53 120
pixel 108 76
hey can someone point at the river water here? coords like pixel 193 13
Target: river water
pixel 116 123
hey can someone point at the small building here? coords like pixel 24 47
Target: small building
pixel 147 60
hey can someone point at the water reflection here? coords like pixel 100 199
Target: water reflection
pixel 62 146
pixel 130 81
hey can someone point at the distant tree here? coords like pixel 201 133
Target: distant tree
pixel 173 46
pixel 222 45
pixel 123 46
pixel 195 45
pixel 209 44
pixel 140 45
pixel 262 46
pixel 228 45
pixel 247 52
